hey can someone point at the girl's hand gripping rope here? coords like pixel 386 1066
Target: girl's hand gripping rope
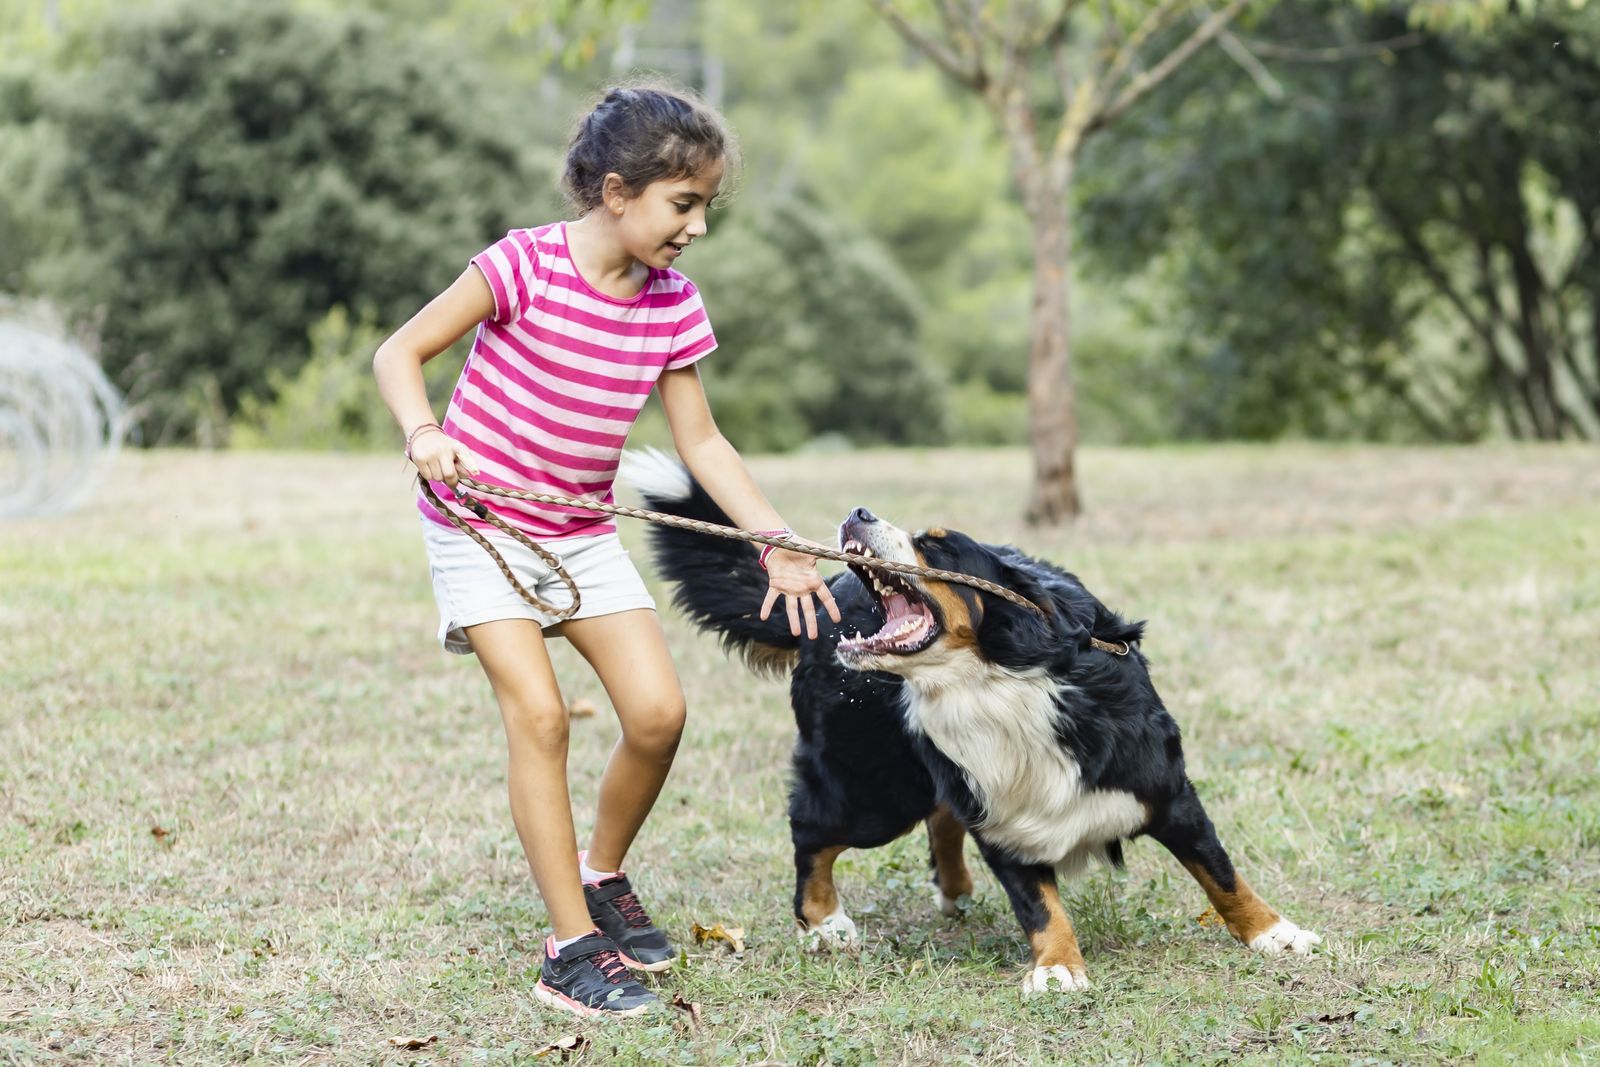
pixel 437 456
pixel 793 575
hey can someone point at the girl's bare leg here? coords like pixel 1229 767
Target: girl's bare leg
pixel 629 653
pixel 514 657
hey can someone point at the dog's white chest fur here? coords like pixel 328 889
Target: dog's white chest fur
pixel 997 726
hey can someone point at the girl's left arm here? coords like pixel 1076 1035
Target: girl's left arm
pixel 716 465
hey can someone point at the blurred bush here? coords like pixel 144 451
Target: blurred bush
pixel 218 174
pixel 819 330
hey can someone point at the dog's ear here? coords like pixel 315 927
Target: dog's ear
pixel 1015 636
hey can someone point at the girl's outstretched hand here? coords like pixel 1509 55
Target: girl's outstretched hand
pixel 793 576
pixel 439 457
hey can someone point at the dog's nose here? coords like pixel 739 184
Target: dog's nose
pixel 862 515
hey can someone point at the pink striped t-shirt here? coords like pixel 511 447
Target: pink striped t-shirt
pixel 557 376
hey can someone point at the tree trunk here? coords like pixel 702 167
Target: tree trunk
pixel 1052 403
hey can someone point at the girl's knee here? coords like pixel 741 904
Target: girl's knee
pixel 539 726
pixel 655 728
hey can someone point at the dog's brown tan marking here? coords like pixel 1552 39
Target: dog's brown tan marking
pixel 958 617
pixel 1056 944
pixel 946 836
pixel 1246 915
pixel 818 897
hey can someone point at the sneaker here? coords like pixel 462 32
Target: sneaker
pixel 619 915
pixel 588 978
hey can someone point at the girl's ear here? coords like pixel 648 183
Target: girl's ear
pixel 613 193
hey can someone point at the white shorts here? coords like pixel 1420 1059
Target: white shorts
pixel 470 589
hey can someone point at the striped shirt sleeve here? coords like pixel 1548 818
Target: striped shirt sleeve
pixel 507 265
pixel 693 338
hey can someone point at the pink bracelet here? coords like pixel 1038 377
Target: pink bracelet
pixel 767 550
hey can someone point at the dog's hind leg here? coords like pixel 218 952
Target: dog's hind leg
pixel 951 878
pixel 823 921
pixel 1057 960
pixel 1186 831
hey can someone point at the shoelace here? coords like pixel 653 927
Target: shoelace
pixel 632 910
pixel 610 966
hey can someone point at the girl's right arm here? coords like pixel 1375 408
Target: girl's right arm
pixel 398 368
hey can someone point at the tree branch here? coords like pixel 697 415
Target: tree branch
pixel 969 73
pixel 1139 87
pixel 1128 50
pixel 1270 87
pixel 1335 53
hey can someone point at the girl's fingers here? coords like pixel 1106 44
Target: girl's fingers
pixel 794 614
pixel 811 615
pixel 766 605
pixel 825 595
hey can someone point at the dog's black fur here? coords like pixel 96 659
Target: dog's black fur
pixel 867 768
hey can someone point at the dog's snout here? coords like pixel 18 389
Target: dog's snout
pixel 862 515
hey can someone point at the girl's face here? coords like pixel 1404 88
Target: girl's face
pixel 658 224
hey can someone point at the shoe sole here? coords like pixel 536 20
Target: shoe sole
pixel 556 999
pixel 653 968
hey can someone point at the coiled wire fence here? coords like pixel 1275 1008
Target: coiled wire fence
pixel 62 422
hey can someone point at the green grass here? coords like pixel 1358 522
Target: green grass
pixel 1386 664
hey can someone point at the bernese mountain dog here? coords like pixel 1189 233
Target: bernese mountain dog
pixel 1039 734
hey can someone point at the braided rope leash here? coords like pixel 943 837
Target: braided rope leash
pixel 478 508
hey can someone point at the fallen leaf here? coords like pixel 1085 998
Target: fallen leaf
pixel 692 1011
pixel 733 936
pixel 160 833
pixel 564 1046
pixel 1209 917
pixel 582 708
pixel 411 1044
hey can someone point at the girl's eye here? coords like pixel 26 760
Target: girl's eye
pixel 683 208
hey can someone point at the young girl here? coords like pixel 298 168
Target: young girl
pixel 576 323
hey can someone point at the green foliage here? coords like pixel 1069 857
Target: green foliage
pixel 233 170
pixel 330 404
pixel 1392 247
pixel 819 333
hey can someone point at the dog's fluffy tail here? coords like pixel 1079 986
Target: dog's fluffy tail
pixel 717 581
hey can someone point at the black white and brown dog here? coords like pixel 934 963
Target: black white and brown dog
pixel 935 703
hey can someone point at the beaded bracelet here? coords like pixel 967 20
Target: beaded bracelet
pixel 767 550
pixel 413 434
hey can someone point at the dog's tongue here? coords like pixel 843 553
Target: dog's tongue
pixel 896 606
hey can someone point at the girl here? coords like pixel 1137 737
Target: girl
pixel 576 323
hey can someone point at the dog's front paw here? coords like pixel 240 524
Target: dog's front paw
pixel 1065 978
pixel 1284 936
pixel 837 931
pixel 949 907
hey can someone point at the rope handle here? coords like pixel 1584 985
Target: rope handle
pixel 774 539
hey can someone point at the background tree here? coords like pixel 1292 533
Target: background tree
pixel 220 174
pixel 1397 242
pixel 1052 74
pixel 804 352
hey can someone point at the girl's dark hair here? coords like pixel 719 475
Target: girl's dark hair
pixel 644 133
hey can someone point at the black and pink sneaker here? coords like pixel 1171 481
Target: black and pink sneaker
pixel 616 910
pixel 589 978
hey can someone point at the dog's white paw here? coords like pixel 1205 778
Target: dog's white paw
pixel 948 907
pixel 1285 936
pixel 837 931
pixel 1066 980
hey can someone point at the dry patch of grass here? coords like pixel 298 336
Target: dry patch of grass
pixel 250 813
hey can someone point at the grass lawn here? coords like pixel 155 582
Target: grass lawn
pixel 250 812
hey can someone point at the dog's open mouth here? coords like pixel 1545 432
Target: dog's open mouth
pixel 910 625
